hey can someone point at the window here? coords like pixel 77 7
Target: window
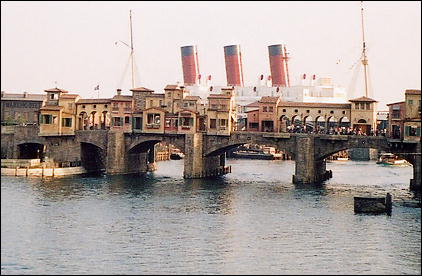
pixel 368 106
pixel 223 107
pixel 344 112
pixel 284 110
pixel 70 106
pixel 191 104
pixel 223 122
pixel 319 111
pixel 253 125
pixel 105 106
pixel 117 121
pixel 137 122
pixel 270 109
pixel 214 106
pixel 410 101
pixel 153 119
pixel 296 110
pixel 95 106
pixel 185 104
pixel 168 122
pixel 46 119
pixel 362 105
pixel 151 103
pixel 264 109
pixel 356 105
pixel 308 111
pixel 332 112
pixel 83 106
pixel 127 120
pixel 412 131
pixel 67 122
pixel 51 96
pixel 186 121
pixel 213 123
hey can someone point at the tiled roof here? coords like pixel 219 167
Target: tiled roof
pixel 363 99
pixel 93 101
pixel 254 104
pixel 413 91
pixel 252 110
pixel 402 102
pixel 171 87
pixel 56 90
pixel 219 96
pixel 124 98
pixel 141 89
pixel 269 99
pixel 191 98
pixel 69 96
pixel 20 97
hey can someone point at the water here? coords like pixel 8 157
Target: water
pixel 252 221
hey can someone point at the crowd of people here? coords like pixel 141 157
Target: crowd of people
pixel 335 130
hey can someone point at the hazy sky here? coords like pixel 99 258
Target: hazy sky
pixel 73 43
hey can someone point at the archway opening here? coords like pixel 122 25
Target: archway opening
pixel 284 123
pixel 309 124
pixel 93 157
pixel 31 151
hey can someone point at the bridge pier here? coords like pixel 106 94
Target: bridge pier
pixel 415 183
pixel 308 169
pixel 151 165
pixel 195 164
pixel 120 162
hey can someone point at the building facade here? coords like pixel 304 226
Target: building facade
pixel 21 108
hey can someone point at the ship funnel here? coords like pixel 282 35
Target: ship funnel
pixel 278 65
pixel 190 65
pixel 234 70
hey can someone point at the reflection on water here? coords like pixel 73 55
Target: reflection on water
pixel 248 222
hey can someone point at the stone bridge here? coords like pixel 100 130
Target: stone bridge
pixel 116 152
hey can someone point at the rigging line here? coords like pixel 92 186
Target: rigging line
pixel 124 74
pixel 136 72
pixel 370 88
pixel 352 84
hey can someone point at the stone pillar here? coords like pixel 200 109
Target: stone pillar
pixel 151 166
pixel 415 183
pixel 197 165
pixel 304 160
pixel 193 156
pixel 116 153
pixel 307 169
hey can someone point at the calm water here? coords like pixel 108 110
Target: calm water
pixel 251 221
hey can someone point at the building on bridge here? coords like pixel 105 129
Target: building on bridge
pixel 405 117
pixel 20 108
pixel 58 115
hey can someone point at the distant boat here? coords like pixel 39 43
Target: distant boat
pixel 252 154
pixel 391 159
pixel 343 159
pixel 177 156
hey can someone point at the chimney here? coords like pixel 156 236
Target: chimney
pixel 190 65
pixel 234 69
pixel 119 91
pixel 25 94
pixel 278 65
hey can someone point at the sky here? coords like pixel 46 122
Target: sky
pixel 72 45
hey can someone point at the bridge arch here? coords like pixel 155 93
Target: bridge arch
pixel 327 149
pixel 93 157
pixel 225 144
pixel 31 150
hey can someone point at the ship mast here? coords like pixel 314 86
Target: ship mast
pixel 131 49
pixel 364 59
